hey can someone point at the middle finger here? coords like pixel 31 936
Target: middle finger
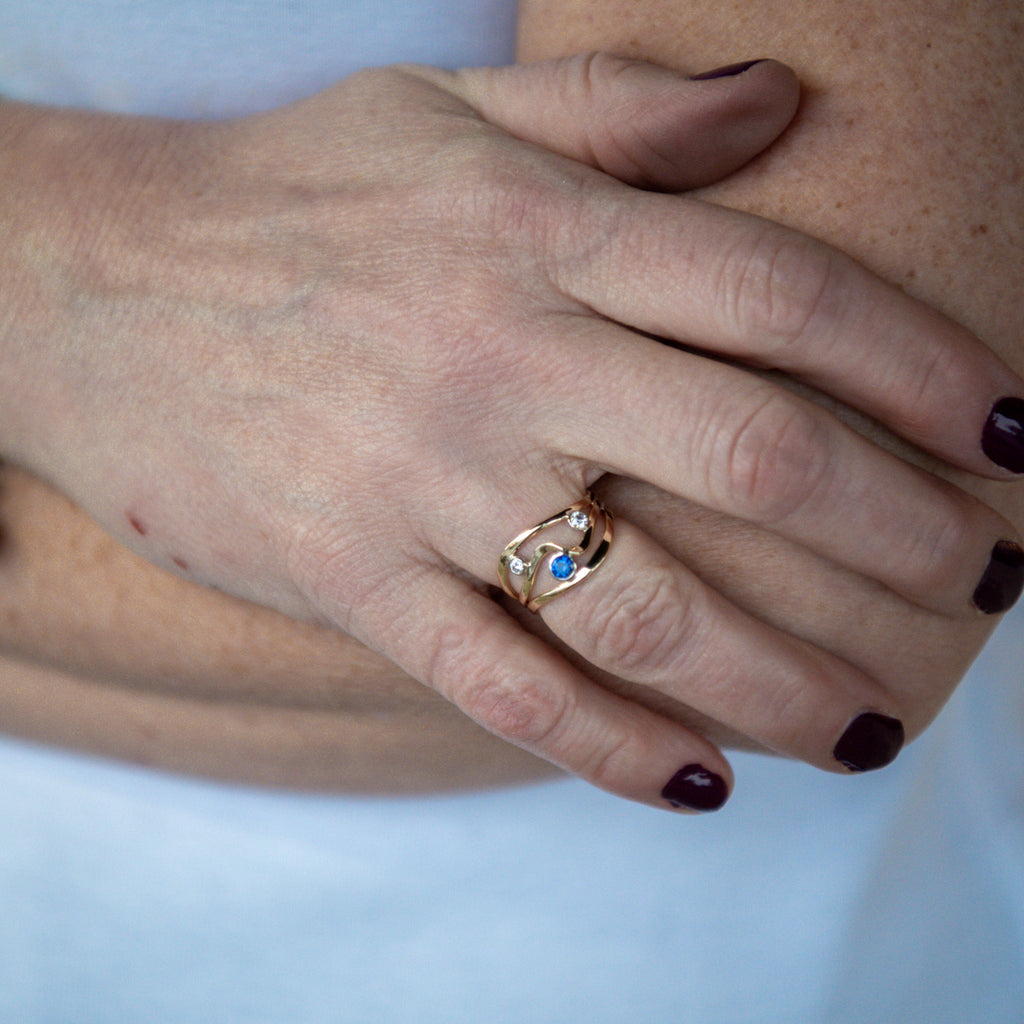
pixel 644 617
pixel 745 446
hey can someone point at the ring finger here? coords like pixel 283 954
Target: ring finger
pixel 643 616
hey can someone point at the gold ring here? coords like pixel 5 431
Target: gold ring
pixel 523 569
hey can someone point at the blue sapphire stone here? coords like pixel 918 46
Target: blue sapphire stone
pixel 562 567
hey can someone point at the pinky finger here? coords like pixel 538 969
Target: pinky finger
pixel 520 689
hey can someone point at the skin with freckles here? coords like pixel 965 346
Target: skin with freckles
pixel 164 669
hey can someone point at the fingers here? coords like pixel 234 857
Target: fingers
pixel 643 124
pixel 644 617
pixel 734 285
pixel 731 441
pixel 800 594
pixel 515 686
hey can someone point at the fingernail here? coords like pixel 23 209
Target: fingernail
pixel 1002 440
pixel 694 788
pixel 1003 580
pixel 726 72
pixel 871 741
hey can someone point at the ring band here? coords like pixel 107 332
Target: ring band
pixel 522 569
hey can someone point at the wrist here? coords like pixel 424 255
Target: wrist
pixel 66 177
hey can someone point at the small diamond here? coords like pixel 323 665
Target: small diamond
pixel 516 566
pixel 579 520
pixel 563 567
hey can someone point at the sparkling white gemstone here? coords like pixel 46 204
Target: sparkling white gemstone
pixel 516 566
pixel 579 520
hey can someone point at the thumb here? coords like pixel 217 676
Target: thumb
pixel 643 124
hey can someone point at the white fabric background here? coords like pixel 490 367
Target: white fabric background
pixel 197 58
pixel 134 898
pixel 894 897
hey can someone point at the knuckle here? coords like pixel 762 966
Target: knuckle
pixel 780 286
pixel 597 71
pixel 604 107
pixel 500 199
pixel 493 692
pixel 935 556
pixel 624 132
pixel 641 622
pixel 616 757
pixel 774 462
pixel 527 213
pixel 922 382
pixel 518 710
pixel 522 208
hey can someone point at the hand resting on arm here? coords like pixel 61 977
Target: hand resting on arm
pixel 330 359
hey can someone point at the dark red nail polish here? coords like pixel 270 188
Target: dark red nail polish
pixel 1002 440
pixel 694 788
pixel 871 741
pixel 729 71
pixel 1003 580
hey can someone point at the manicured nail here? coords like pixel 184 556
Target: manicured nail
pixel 727 72
pixel 1002 440
pixel 871 741
pixel 694 788
pixel 1003 580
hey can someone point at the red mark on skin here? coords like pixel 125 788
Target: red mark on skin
pixel 180 563
pixel 139 527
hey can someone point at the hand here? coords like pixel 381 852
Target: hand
pixel 334 357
